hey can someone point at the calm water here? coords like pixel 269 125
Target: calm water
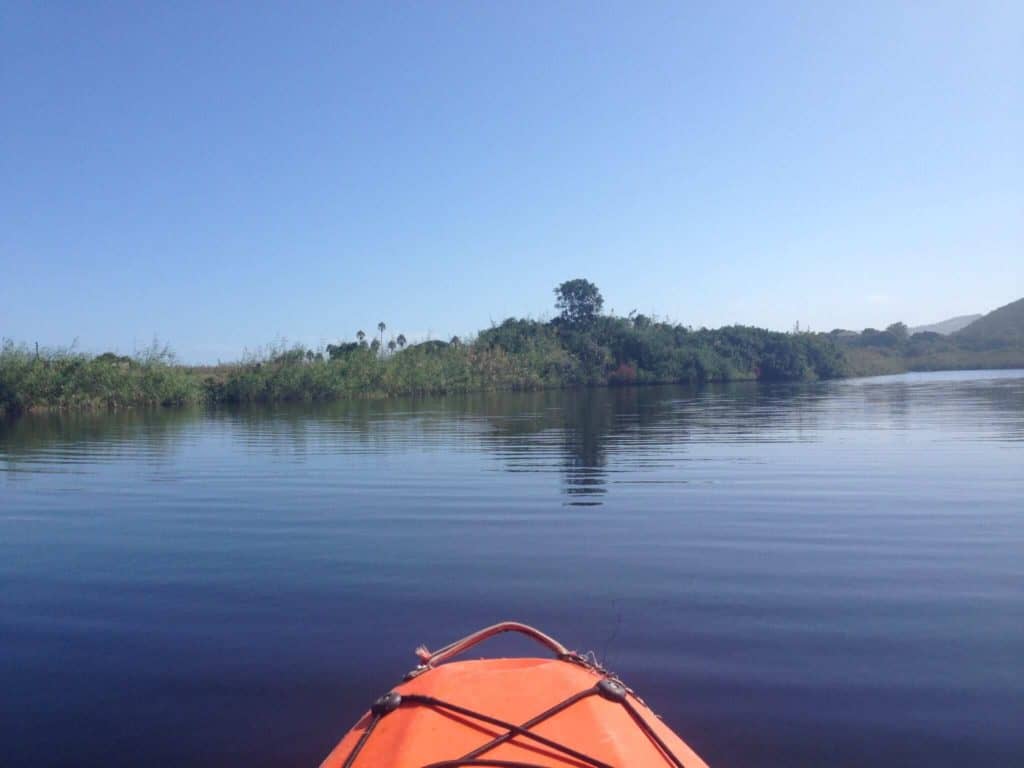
pixel 822 574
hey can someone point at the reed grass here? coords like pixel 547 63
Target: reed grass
pixel 64 378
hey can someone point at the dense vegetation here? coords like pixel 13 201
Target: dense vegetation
pixel 68 379
pixel 579 347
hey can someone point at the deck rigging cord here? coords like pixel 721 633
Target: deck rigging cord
pixel 608 687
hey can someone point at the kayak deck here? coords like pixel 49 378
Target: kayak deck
pixel 510 713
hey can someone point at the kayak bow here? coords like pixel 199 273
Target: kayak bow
pixel 510 713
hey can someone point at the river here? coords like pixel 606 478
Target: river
pixel 791 575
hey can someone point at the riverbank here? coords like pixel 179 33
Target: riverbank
pixel 66 380
pixel 883 362
pixel 574 350
pixel 516 355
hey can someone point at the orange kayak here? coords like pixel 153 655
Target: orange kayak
pixel 510 713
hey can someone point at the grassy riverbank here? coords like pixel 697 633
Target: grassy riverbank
pixel 580 347
pixel 517 355
pixel 66 379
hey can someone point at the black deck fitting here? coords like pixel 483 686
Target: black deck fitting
pixel 612 690
pixel 389 702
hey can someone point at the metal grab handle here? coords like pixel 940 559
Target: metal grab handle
pixel 428 659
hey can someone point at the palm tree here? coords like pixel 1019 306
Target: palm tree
pixel 391 346
pixel 401 341
pixel 361 335
pixel 381 327
pixel 374 346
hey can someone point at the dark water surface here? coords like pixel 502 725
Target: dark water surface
pixel 828 574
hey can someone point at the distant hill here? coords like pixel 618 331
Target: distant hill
pixel 1000 327
pixel 995 340
pixel 946 327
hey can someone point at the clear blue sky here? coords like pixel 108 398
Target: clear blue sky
pixel 222 175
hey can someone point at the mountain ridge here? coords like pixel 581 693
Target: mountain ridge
pixel 1001 327
pixel 947 326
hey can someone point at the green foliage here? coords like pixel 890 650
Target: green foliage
pixel 338 351
pixel 579 348
pixel 898 332
pixel 64 378
pixel 434 345
pixel 428 368
pixel 637 349
pixel 579 301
